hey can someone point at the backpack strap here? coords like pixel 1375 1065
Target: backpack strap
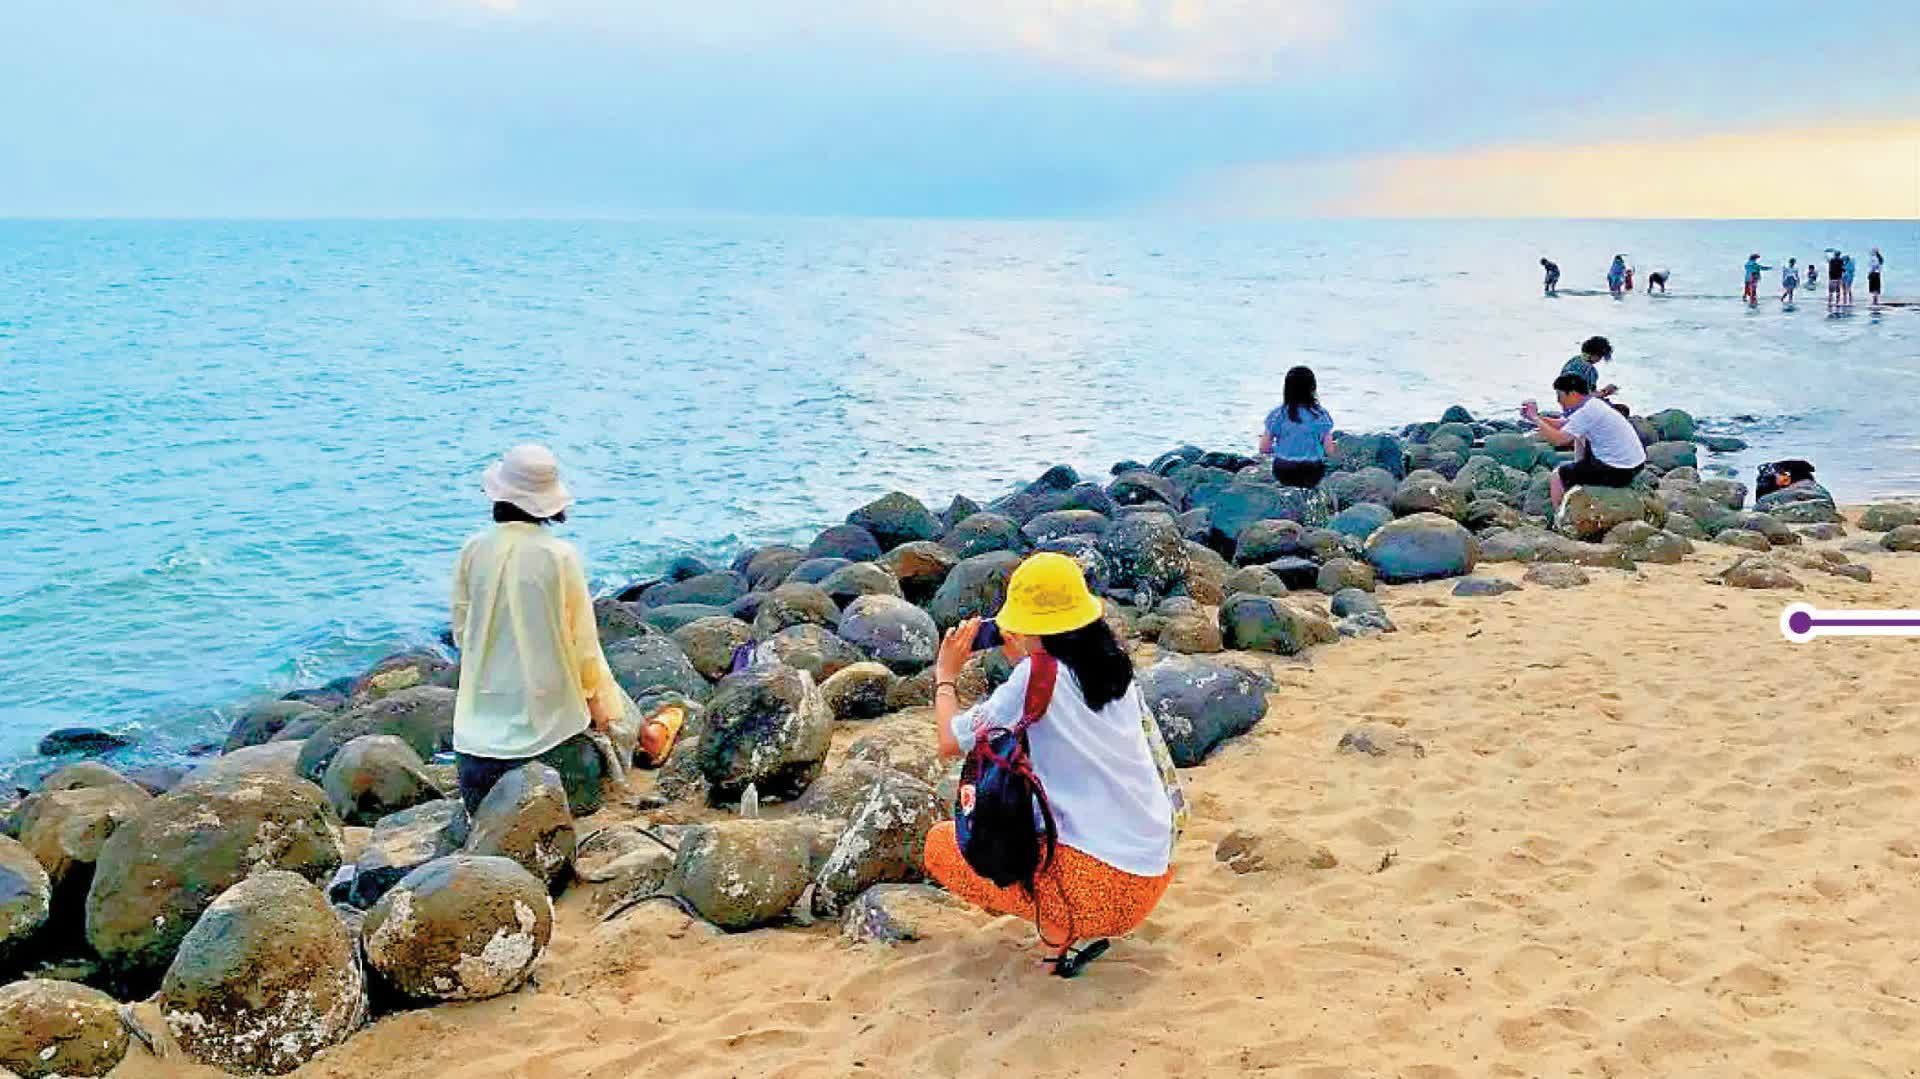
pixel 1042 672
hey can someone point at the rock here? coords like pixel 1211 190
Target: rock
pixel 859 579
pixel 1766 524
pixel 1516 451
pixel 1484 586
pixel 1146 553
pixel 1729 493
pixel 402 843
pixel 1685 527
pixel 421 715
pixel 81 774
pixel 1361 521
pixel 842 789
pixel 1648 436
pixel 1191 633
pixel 1200 703
pixel 1530 544
pixel 1670 455
pixel 376 775
pixel 1058 523
pixel 920 568
pixel 1752 572
pixel 157 872
pixel 794 604
pixel 858 691
pixel 740 874
pixel 983 533
pixel 899 913
pixel 1672 425
pixel 891 631
pixel 89 741
pixel 1264 541
pixel 911 692
pixel 1588 513
pixel 959 510
pixel 883 841
pixel 1247 852
pixel 707 589
pixel 1140 488
pixel 1823 532
pixel 976 587
pixel 1721 443
pixel 1241 501
pixel 1364 487
pixel 1352 601
pixel 267 978
pixel 1264 624
pixel 1456 414
pixel 673 616
pixel 896 518
pixel 413 668
pixel 708 644
pixel 615 618
pixel 1803 503
pixel 462 927
pixel 1207 575
pixel 1485 514
pixel 65 829
pixel 685 568
pixel 768 726
pixel 1298 574
pixel 1340 573
pixel 815 570
pixel 274 758
pixel 1902 538
pixel 1421 547
pixel 525 818
pixel 26 898
pixel 1483 477
pixel 1429 492
pixel 1556 575
pixel 258 724
pixel 1740 537
pixel 812 649
pixel 1888 516
pixel 1084 549
pixel 1645 543
pixel 1354 452
pixel 53 1028
pixel 1255 581
pixel 851 542
pixel 1852 571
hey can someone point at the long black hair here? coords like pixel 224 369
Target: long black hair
pixel 1302 391
pixel 1096 659
pixel 508 513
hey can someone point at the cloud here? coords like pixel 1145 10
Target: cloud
pixel 1867 171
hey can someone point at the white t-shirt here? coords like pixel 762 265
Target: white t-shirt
pixel 1096 767
pixel 1608 435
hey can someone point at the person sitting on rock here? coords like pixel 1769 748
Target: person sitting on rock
pixel 1607 450
pixel 532 676
pixel 1093 750
pixel 1299 434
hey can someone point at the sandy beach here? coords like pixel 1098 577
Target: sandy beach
pixel 1619 830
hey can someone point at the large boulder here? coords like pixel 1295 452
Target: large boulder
pixel 813 649
pixel 81 774
pixel 984 533
pixel 1757 572
pixel 1887 516
pixel 1243 500
pixel 1200 703
pixel 1255 581
pixel 1057 523
pixel 892 631
pixel 1483 477
pixel 65 830
pixel 1138 487
pixel 896 518
pixel 1667 456
pixel 883 840
pixel 898 913
pixel 525 818
pixel 376 775
pixel 1531 544
pixel 649 666
pixel 1264 541
pixel 265 979
pixel 1362 520
pixel 768 726
pixel 404 842
pixel 1672 425
pixel 709 589
pixel 920 568
pixel 1429 492
pixel 851 582
pixel 794 604
pixel 1146 553
pixel 859 691
pixel 1343 573
pixel 1264 624
pixel 1589 513
pixel 709 644
pixel 766 568
pixel 259 724
pixel 158 872
pixel 421 715
pixel 53 1028
pixel 976 587
pixel 1421 547
pixel 1368 485
pixel 1645 543
pixel 1516 451
pixel 851 542
pixel 464 927
pixel 1803 503
pixel 739 874
pixel 1902 538
pixel 1354 452
pixel 1729 493
pixel 675 615
pixel 402 671
pixel 274 758
pixel 26 900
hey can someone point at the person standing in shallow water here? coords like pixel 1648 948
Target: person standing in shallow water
pixel 1874 263
pixel 1299 434
pixel 533 679
pixel 1553 276
pixel 1617 274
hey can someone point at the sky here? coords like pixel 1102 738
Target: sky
pixel 959 108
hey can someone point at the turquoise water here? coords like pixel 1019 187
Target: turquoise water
pixel 240 456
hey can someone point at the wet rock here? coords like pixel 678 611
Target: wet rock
pixel 1902 538
pixel 1244 852
pixel 708 644
pixel 1200 703
pixel 403 842
pixel 1429 492
pixel 1740 537
pixel 1341 573
pixel 267 978
pixel 860 579
pixel 421 715
pixel 26 897
pixel 525 818
pixel 463 927
pixel 1264 541
pixel 899 913
pixel 647 667
pixel 707 589
pixel 984 533
pixel 858 691
pixel 1803 503
pixel 1146 553
pixel 260 723
pixel 376 775
pixel 885 836
pixel 1361 521
pixel 767 568
pixel 1140 488
pixel 1556 575
pixel 1264 624
pixel 1753 572
pixel 768 726
pixel 1366 486
pixel 976 587
pixel 1484 586
pixel 87 741
pixel 812 649
pixel 920 568
pixel 54 1028
pixel 413 668
pixel 896 518
pixel 740 874
pixel 1672 425
pixel 156 873
pixel 1888 516
pixel 1421 547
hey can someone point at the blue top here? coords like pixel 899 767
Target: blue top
pixel 1302 441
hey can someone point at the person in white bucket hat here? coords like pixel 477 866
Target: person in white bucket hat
pixel 533 679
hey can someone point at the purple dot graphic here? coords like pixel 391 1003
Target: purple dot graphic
pixel 1800 621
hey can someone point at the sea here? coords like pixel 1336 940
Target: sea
pixel 238 457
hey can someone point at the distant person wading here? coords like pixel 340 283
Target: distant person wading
pixel 1299 434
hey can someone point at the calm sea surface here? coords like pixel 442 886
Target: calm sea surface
pixel 239 457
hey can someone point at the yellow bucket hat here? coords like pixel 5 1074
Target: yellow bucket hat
pixel 1048 594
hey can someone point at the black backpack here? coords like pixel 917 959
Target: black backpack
pixel 1000 795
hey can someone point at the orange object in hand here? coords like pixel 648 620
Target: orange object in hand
pixel 659 731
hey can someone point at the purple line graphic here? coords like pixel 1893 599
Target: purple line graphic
pixel 1801 623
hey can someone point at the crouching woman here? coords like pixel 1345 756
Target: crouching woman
pixel 1105 795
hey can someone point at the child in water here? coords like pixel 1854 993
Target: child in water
pixel 1553 276
pixel 1751 293
pixel 1789 281
pixel 1813 274
pixel 1874 263
pixel 1617 274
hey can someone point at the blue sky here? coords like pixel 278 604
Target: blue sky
pixel 942 108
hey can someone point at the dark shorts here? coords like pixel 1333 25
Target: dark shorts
pixel 1299 473
pixel 1587 472
pixel 1873 281
pixel 577 760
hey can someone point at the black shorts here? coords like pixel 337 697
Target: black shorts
pixel 1873 281
pixel 577 760
pixel 1587 472
pixel 1299 473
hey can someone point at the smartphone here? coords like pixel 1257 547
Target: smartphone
pixel 987 636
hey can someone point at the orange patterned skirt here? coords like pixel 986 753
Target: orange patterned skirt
pixel 1080 896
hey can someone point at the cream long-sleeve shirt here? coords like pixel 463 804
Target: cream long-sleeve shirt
pixel 529 650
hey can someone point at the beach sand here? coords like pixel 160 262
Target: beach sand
pixel 1640 835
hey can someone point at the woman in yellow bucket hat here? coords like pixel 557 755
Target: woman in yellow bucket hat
pixel 1092 751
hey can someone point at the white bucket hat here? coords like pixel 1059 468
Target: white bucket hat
pixel 529 477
